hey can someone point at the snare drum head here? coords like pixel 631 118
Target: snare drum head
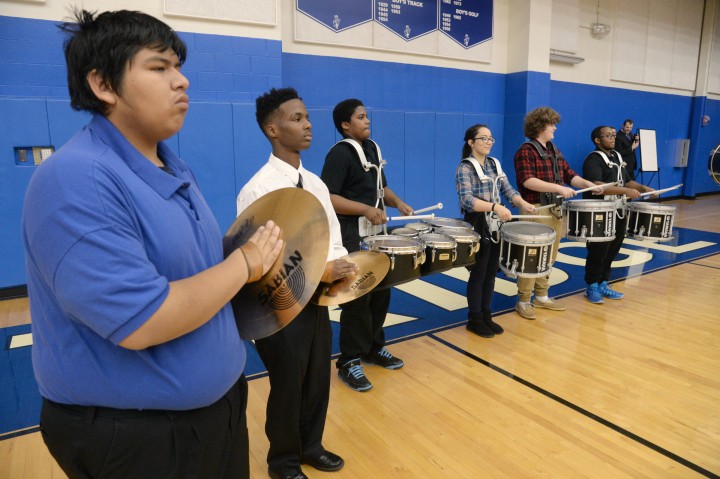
pixel 642 207
pixel 528 231
pixel 461 235
pixel 404 232
pixel 437 240
pixel 448 223
pixel 590 205
pixel 418 226
pixel 392 244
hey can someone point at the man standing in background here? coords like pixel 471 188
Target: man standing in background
pixel 625 144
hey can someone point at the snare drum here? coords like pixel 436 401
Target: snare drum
pixel 468 244
pixel 590 220
pixel 650 221
pixel 440 253
pixel 526 249
pixel 448 223
pixel 419 227
pixel 407 232
pixel 406 256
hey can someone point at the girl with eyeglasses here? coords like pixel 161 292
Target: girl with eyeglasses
pixel 480 181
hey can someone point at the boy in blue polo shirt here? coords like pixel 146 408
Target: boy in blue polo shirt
pixel 135 348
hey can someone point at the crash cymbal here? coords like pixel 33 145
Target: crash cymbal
pixel 266 306
pixel 372 268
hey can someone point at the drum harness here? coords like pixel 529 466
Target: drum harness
pixel 620 200
pixel 362 225
pixel 549 198
pixel 491 219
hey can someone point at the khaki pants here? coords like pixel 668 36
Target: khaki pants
pixel 526 286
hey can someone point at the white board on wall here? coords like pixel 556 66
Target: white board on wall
pixel 648 151
pixel 262 12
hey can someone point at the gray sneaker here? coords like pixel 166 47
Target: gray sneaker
pixel 526 310
pixel 551 304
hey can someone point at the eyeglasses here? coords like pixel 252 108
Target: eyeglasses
pixel 609 135
pixel 485 139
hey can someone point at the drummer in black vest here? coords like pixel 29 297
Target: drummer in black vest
pixel 542 173
pixel 479 180
pixel 605 165
pixel 354 191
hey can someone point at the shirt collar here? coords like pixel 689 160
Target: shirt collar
pixel 286 169
pixel 162 182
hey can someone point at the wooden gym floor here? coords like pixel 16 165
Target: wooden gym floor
pixel 628 389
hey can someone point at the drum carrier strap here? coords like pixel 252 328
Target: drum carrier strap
pixel 544 153
pixel 619 199
pixel 380 197
pixel 486 224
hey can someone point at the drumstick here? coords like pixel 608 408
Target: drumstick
pixel 429 208
pixel 657 192
pixel 594 187
pixel 415 217
pixel 576 191
pixel 529 216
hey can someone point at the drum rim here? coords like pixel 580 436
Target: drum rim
pixel 650 207
pixel 405 235
pixel 448 242
pixel 425 226
pixel 533 224
pixel 415 248
pixel 472 236
pixel 457 223
pixel 591 205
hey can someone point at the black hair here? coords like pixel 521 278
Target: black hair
pixel 343 112
pixel 269 103
pixel 597 133
pixel 469 135
pixel 107 43
pixel 628 121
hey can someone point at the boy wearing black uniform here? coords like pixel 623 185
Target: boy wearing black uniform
pixel 604 165
pixel 351 174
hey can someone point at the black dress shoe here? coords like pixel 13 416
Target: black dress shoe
pixel 277 475
pixel 326 461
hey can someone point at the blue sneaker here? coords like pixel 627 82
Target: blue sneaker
pixel 608 292
pixel 593 294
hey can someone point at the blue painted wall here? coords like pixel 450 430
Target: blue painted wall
pixel 419 115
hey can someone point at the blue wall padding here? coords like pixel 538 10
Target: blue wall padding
pixel 584 107
pixel 206 143
pixel 251 147
pixel 22 123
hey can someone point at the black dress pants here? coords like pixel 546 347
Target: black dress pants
pixel 298 361
pixel 107 443
pixel 362 319
pixel 481 285
pixel 361 325
pixel 601 254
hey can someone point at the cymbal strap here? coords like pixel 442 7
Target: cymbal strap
pixel 253 260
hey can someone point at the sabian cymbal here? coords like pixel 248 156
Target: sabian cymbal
pixel 266 306
pixel 372 268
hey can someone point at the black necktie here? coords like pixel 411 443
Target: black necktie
pixel 299 183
